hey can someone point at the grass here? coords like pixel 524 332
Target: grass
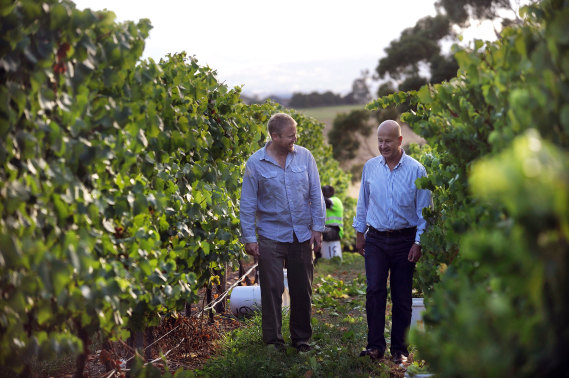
pixel 339 334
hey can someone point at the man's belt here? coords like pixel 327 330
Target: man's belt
pixel 400 232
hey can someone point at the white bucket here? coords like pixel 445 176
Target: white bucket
pixel 416 314
pixel 331 249
pixel 245 300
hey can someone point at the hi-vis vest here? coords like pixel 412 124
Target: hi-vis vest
pixel 334 215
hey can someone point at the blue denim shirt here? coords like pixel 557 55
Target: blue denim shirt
pixel 276 201
pixel 390 200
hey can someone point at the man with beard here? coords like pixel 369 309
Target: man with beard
pixel 282 218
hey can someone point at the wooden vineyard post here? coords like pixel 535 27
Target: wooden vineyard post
pixel 208 299
pixel 136 342
pixel 149 335
pixel 247 280
pixel 220 307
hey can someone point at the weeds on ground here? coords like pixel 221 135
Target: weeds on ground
pixel 335 348
pixel 339 334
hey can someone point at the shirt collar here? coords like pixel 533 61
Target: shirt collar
pixel 266 156
pixel 401 161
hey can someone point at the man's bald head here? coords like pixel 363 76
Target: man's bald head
pixel 390 127
pixel 389 140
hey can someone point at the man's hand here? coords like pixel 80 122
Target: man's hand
pixel 252 249
pixel 316 240
pixel 414 253
pixel 360 243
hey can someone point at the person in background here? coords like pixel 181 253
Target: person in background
pixel 282 219
pixel 334 217
pixel 389 224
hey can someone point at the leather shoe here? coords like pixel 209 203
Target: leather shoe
pixel 398 358
pixel 374 354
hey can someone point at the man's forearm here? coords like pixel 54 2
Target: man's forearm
pixel 248 229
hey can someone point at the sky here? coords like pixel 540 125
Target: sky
pixel 271 47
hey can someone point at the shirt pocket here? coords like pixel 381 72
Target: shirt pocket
pixel 406 198
pixel 299 179
pixel 268 181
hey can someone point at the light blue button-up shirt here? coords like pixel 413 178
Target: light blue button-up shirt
pixel 390 200
pixel 276 201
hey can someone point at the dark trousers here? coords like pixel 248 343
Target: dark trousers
pixel 297 258
pixel 387 255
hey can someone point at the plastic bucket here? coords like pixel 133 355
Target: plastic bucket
pixel 245 300
pixel 331 249
pixel 416 314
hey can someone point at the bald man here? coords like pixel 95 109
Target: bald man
pixel 389 224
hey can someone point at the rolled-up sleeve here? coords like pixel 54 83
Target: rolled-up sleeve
pixel 317 204
pixel 248 205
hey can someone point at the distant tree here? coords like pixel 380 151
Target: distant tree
pixel 460 12
pixel 346 132
pixel 256 99
pixel 360 90
pixel 314 99
pixel 419 46
pixel 387 113
pixel 442 68
pixel 414 82
pixel 359 95
pixel 385 89
pixel 415 45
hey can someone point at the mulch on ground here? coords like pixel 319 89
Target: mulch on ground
pixel 185 341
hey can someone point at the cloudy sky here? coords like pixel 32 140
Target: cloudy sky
pixel 272 47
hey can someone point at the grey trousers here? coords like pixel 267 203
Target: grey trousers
pixel 297 258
